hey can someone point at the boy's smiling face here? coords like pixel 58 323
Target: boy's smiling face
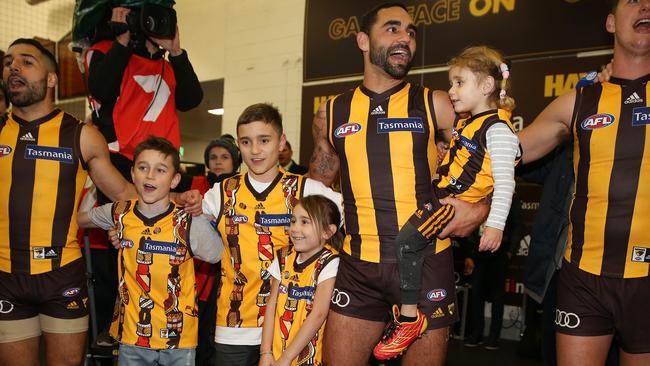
pixel 154 176
pixel 260 146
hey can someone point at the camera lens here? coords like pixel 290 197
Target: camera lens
pixel 149 23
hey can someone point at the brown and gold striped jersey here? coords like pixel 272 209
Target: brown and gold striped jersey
pixel 466 171
pixel 43 174
pixel 386 146
pixel 610 212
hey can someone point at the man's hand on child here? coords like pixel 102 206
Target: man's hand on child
pixel 605 73
pixel 602 75
pixel 468 216
pixel 114 238
pixel 490 240
pixel 191 200
pixel 442 148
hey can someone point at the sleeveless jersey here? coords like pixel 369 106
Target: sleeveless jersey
pixel 466 171
pixel 610 212
pixel 295 302
pixel 386 146
pixel 253 226
pixel 156 306
pixel 146 105
pixel 43 175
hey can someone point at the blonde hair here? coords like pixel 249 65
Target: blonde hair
pixel 487 61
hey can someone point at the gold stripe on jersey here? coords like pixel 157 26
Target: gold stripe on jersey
pixel 38 204
pixel 253 225
pixel 297 287
pixel 386 148
pixel 366 221
pixel 432 148
pixel 610 211
pixel 156 305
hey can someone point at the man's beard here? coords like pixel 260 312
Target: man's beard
pixel 379 56
pixel 34 93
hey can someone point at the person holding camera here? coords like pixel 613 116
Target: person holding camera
pixel 134 90
pixel 134 93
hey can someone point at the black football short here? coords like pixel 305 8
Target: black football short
pixel 61 293
pixel 368 290
pixel 591 305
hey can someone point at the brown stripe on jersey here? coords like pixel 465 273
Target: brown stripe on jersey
pixel 623 185
pixel 473 165
pixel 66 188
pixel 77 146
pixel 221 213
pixel 382 183
pixel 23 180
pixel 589 100
pixel 417 102
pixel 432 110
pixel 340 113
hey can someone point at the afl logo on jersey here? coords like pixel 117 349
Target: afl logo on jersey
pixel 597 121
pixel 5 150
pixel 347 130
pixel 437 295
pixel 239 219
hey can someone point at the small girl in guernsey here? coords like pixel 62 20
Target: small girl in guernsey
pixel 303 276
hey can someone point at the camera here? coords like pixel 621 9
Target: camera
pixel 152 20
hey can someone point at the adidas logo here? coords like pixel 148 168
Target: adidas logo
pixel 378 110
pixel 437 314
pixel 634 98
pixel 27 137
pixel 259 206
pixel 51 254
pixel 146 232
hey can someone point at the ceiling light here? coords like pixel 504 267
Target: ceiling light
pixel 216 111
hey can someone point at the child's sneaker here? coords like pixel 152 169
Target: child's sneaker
pixel 398 336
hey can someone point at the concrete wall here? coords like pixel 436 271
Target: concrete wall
pixel 51 20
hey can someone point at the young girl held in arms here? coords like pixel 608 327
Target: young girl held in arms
pixel 482 155
pixel 303 278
